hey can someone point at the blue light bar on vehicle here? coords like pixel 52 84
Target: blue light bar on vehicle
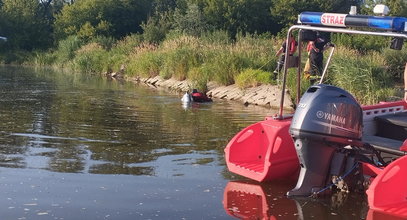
pixel 398 24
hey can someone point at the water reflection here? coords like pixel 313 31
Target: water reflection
pixel 251 200
pixel 59 131
pixel 83 124
pixel 245 200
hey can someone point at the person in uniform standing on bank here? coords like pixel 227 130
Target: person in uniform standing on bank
pixel 405 83
pixel 291 51
pixel 316 55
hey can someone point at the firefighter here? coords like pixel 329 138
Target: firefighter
pixel 291 51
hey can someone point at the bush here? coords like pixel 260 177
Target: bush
pixel 251 78
pixel 66 49
pixel 178 62
pixel 106 42
pixel 292 84
pixel 216 37
pixel 200 78
pixel 257 51
pixel 128 44
pixel 395 61
pixel 157 27
pixel 15 57
pixel 363 76
pixel 180 55
pixel 145 64
pixel 91 58
pixel 44 58
pixel 224 65
pixel 362 43
pixel 114 61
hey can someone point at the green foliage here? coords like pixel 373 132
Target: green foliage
pixel 225 65
pixel 106 42
pixel 200 78
pixel 397 7
pixel 395 61
pixel 15 57
pixel 179 61
pixel 127 45
pixel 361 43
pixel 25 25
pixel 201 61
pixel 145 62
pixel 90 58
pixel 66 49
pixel 157 27
pixel 90 18
pixel 44 59
pixel 259 52
pixel 192 22
pixel 292 84
pixel 200 40
pixel 286 11
pixel 251 78
pixel 248 16
pixel 363 76
pixel 216 37
pixel 161 6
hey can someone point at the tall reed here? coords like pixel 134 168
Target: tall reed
pixel 364 76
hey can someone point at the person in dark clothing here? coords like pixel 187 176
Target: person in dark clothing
pixel 317 55
pixel 405 83
pixel 291 51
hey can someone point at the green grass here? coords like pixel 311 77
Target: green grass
pixel 363 76
pixel 145 64
pixel 91 58
pixel 251 78
pixel 369 74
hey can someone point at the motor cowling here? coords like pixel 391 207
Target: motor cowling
pixel 326 120
pixel 327 113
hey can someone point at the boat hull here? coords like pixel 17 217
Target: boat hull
pixel 263 151
pixel 388 193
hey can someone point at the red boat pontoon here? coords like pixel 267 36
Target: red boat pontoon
pixel 263 151
pixel 331 140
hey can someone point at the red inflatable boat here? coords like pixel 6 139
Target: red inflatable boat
pixel 331 142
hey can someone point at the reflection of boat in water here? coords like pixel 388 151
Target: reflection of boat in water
pixel 244 200
pixel 331 139
pixel 250 200
pixel 377 215
pixel 255 201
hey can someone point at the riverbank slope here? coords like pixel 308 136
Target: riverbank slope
pixel 263 95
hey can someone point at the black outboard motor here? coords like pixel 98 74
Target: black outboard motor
pixel 327 119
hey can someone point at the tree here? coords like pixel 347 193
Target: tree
pixel 25 25
pixel 286 11
pixel 238 16
pixel 397 7
pixel 192 22
pixel 157 27
pixel 116 18
pixel 161 6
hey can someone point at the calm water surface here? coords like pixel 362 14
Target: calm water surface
pixel 80 147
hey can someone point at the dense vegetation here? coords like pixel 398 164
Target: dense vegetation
pixel 225 41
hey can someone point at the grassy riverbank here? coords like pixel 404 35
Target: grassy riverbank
pixel 247 61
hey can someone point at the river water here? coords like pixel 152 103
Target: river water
pixel 80 147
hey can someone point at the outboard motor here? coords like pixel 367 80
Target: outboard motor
pixel 326 120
